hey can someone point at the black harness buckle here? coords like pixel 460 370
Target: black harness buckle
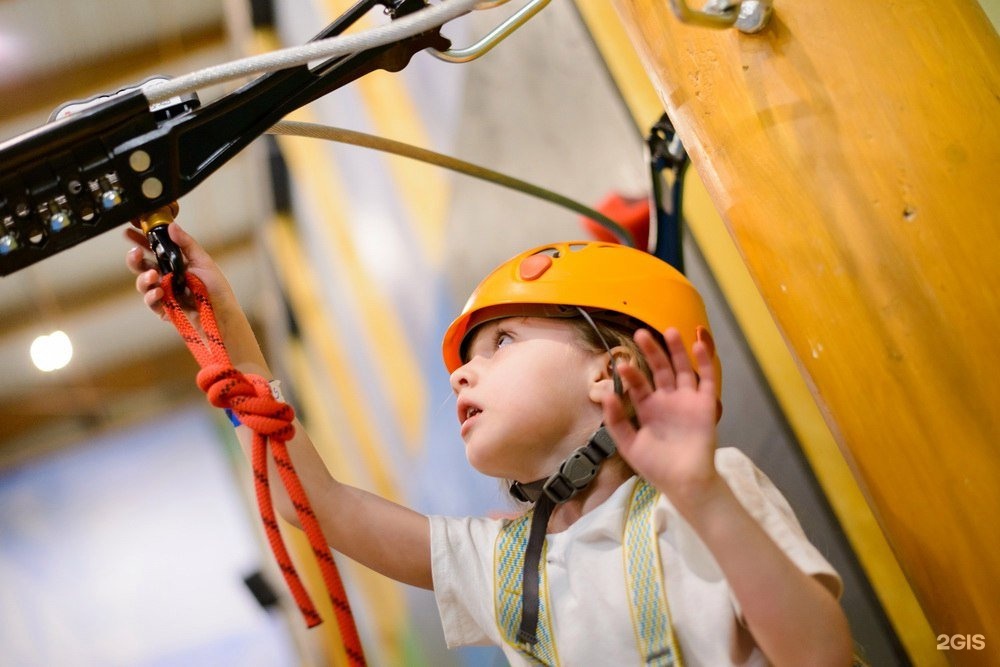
pixel 575 473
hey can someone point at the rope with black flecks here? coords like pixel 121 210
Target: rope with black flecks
pixel 249 396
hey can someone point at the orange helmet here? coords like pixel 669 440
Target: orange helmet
pixel 596 276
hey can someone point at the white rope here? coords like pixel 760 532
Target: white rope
pixel 401 28
pixel 316 131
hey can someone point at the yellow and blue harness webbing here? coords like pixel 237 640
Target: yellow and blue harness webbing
pixel 645 587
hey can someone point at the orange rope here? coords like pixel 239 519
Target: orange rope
pixel 249 396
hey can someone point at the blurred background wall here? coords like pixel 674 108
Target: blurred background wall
pixel 127 531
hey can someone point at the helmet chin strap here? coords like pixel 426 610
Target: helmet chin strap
pixel 574 474
pixel 611 361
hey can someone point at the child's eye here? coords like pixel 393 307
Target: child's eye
pixel 501 338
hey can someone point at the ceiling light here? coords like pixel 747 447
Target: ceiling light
pixel 52 352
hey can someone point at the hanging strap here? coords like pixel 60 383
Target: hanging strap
pixel 528 630
pixel 509 556
pixel 249 396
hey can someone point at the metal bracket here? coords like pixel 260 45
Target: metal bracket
pixel 747 16
pixel 665 152
pixel 495 36
pixel 115 160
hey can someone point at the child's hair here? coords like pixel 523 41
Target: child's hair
pixel 614 333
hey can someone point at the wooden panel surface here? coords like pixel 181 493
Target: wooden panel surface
pixel 853 150
pixel 776 363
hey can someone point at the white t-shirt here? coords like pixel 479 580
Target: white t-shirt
pixel 588 607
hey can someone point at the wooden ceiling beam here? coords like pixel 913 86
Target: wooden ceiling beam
pixel 88 296
pixel 43 93
pixel 80 410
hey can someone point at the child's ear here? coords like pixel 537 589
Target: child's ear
pixel 603 376
pixel 619 354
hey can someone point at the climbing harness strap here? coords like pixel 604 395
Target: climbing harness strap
pixel 508 581
pixel 646 588
pixel 249 396
pixel 530 578
pixel 647 592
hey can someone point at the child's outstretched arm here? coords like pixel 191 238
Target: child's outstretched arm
pixel 379 534
pixel 793 618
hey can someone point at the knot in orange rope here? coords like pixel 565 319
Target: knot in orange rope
pixel 250 397
pixel 271 421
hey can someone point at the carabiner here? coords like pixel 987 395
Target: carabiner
pixel 665 152
pixel 169 257
pixel 495 36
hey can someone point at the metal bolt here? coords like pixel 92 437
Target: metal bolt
pixel 8 244
pixel 754 15
pixel 152 187
pixel 720 7
pixel 139 161
pixel 59 221
pixel 110 199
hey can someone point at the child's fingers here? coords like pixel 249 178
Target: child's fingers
pixel 195 254
pixel 147 284
pixel 635 382
pixel 616 420
pixel 136 236
pixel 154 299
pixel 659 361
pixel 683 372
pixel 706 369
pixel 133 260
pixel 138 260
pixel 146 280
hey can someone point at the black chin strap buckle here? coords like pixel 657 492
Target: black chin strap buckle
pixel 575 473
pixel 526 493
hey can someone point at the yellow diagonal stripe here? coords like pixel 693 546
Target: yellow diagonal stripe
pixel 390 109
pixel 378 595
pixel 398 374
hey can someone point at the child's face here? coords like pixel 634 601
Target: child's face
pixel 528 395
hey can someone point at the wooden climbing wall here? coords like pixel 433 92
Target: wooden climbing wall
pixel 853 151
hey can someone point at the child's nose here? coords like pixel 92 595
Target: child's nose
pixel 463 376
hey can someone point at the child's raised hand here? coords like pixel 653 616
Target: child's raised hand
pixel 674 446
pixel 141 262
pixel 238 336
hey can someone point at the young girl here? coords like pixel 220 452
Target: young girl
pixel 644 544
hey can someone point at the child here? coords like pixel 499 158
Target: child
pixel 645 543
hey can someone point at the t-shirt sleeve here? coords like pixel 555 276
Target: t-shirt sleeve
pixel 462 570
pixel 766 504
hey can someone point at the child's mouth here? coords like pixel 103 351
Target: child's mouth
pixel 468 419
